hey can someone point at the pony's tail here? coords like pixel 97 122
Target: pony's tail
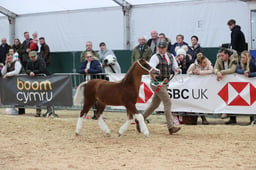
pixel 79 94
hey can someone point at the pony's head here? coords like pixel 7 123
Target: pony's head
pixel 145 67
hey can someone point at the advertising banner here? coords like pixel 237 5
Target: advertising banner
pixel 203 94
pixel 39 90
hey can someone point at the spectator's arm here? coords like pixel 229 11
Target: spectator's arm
pixel 216 67
pixel 16 70
pixel 239 70
pixel 230 70
pixel 96 68
pixel 81 69
pixel 252 74
pixel 4 70
pixel 191 68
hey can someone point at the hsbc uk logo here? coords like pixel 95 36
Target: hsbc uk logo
pixel 145 93
pixel 238 94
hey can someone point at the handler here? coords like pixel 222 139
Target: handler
pixel 166 64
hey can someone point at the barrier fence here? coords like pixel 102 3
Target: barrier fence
pixel 235 94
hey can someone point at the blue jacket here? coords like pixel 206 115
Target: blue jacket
pixel 95 67
pixel 252 68
pixel 172 49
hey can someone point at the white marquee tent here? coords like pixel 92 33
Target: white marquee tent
pixel 67 25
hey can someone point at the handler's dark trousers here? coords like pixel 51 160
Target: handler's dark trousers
pixel 161 95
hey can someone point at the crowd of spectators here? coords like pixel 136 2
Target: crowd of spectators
pixel 190 59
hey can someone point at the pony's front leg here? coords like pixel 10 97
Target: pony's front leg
pixel 124 127
pixel 143 127
pixel 103 125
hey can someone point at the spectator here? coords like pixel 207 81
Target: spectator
pixel 16 46
pixel 247 67
pixel 45 51
pixel 141 50
pixel 166 63
pixel 12 67
pixel 91 65
pixel 4 49
pixel 36 66
pixel 88 47
pixel 237 37
pixel 183 60
pixel 14 54
pixel 33 43
pixel 201 66
pixel 179 44
pixel 152 43
pixel 195 48
pixel 24 51
pixel 226 63
pixel 104 52
pixel 162 36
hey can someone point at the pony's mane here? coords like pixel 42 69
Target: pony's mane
pixel 128 75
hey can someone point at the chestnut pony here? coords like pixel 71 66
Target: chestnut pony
pixel 121 93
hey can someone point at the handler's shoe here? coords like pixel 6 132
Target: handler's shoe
pixel 174 130
pixel 38 114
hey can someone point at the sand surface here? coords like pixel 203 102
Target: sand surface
pixel 33 143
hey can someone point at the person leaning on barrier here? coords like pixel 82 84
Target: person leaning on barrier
pixel 247 67
pixel 11 68
pixel 36 66
pixel 91 65
pixel 226 63
pixel 201 66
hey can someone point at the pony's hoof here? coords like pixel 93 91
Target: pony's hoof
pixel 146 134
pixel 119 134
pixel 77 134
pixel 108 135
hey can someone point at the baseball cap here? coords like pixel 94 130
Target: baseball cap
pixel 162 43
pixel 32 54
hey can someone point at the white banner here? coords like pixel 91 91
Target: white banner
pixel 203 94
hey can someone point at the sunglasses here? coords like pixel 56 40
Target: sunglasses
pixel 88 56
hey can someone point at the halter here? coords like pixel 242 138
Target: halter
pixel 145 67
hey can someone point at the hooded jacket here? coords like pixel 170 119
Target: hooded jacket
pixel 238 39
pixel 202 70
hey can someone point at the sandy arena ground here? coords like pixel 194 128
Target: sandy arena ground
pixel 42 143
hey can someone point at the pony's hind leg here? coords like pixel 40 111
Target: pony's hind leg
pixel 103 126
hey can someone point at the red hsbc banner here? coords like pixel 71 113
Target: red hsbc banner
pixel 191 93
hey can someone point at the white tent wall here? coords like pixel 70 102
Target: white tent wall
pixel 4 28
pixel 69 31
pixel 206 19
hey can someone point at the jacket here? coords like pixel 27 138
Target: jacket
pixel 45 53
pixel 202 70
pixel 138 53
pixel 194 50
pixel 37 67
pixel 23 53
pixel 252 68
pixel 232 63
pixel 4 49
pixel 13 69
pixel 95 67
pixel 238 39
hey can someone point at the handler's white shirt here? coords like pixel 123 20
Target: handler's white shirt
pixel 154 61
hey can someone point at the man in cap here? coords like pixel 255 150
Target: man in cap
pixel 36 65
pixel 166 64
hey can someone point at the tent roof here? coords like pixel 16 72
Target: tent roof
pixel 21 7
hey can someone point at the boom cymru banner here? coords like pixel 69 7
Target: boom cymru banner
pixel 41 91
pixel 191 93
